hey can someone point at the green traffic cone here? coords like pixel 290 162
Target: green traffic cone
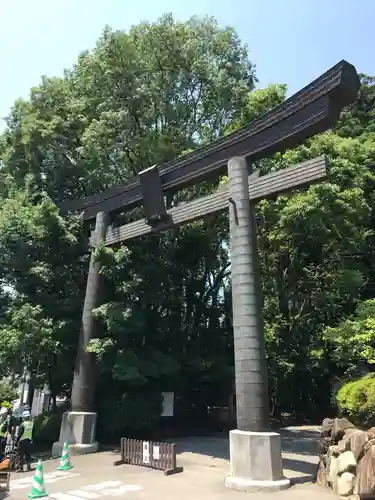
pixel 65 460
pixel 38 490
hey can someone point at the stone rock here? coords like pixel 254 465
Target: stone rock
pixel 321 473
pixel 357 441
pixel 344 444
pixel 346 463
pixel 340 426
pixel 333 465
pixel 324 444
pixel 333 451
pixel 365 483
pixel 327 426
pixel 371 433
pixel 351 431
pixel 345 484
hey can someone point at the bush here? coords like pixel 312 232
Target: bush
pixel 7 392
pixel 134 413
pixel 356 400
pixel 47 428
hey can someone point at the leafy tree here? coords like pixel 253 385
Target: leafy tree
pixel 7 393
pixel 144 97
pixel 41 260
pixel 352 342
pixel 138 98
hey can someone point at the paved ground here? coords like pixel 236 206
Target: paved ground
pixel 205 462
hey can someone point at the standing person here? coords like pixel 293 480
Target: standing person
pixel 3 435
pixel 6 428
pixel 24 440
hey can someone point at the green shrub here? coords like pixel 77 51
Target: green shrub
pixel 356 400
pixel 47 427
pixel 132 413
pixel 7 392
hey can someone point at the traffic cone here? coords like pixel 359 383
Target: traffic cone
pixel 65 460
pixel 38 490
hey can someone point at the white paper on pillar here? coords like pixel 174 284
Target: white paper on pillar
pixel 156 452
pixel 146 452
pixel 168 404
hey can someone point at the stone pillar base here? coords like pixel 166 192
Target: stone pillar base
pixel 78 430
pixel 256 462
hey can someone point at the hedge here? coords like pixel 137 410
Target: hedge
pixel 47 428
pixel 356 400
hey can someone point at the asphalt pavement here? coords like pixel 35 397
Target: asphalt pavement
pixel 205 462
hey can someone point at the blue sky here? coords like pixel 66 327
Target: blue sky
pixel 290 41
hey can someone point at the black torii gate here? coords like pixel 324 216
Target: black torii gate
pixel 255 451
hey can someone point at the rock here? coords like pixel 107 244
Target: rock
pixel 321 473
pixel 344 444
pixel 340 426
pixel 365 483
pixel 357 441
pixel 371 433
pixel 333 451
pixel 327 426
pixel 351 431
pixel 332 465
pixel 332 471
pixel 324 444
pixel 346 463
pixel 345 484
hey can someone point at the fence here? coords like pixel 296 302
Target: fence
pixel 161 456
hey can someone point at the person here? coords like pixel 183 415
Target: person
pixel 3 436
pixel 24 441
pixel 5 430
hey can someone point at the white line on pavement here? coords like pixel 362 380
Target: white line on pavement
pixel 103 486
pixel 122 489
pixel 83 494
pixel 107 488
pixel 64 496
pixel 52 477
pixel 53 480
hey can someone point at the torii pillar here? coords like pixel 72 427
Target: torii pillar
pixel 78 426
pixel 255 452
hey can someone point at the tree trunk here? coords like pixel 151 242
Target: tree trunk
pixel 30 394
pixel 54 404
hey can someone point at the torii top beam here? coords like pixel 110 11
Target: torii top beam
pixel 312 110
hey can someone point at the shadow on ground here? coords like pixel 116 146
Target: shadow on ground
pixel 301 441
pixel 299 446
pixel 294 440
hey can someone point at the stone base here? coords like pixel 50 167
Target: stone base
pixel 78 430
pixel 256 462
pixel 83 449
pixel 74 449
pixel 247 485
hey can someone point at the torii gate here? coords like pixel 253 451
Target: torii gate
pixel 255 452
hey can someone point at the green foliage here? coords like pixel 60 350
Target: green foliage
pixel 144 97
pixel 47 428
pixel 134 412
pixel 356 399
pixel 41 263
pixel 7 393
pixel 6 404
pixel 257 103
pixel 352 342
